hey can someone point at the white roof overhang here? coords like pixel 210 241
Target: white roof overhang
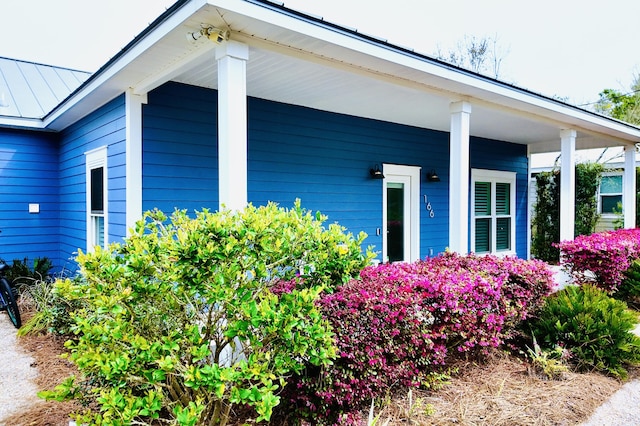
pixel 302 60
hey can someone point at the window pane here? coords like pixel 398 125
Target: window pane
pixel 503 198
pixel 483 198
pixel 503 233
pixel 97 190
pixel 611 185
pixel 610 203
pixel 98 231
pixel 395 222
pixel 483 235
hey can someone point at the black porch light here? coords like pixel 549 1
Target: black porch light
pixel 432 176
pixel 376 173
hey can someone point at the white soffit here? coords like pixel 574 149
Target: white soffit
pixel 296 61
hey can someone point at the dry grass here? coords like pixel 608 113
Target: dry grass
pixel 498 392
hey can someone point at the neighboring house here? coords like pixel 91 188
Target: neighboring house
pixel 610 193
pixel 270 104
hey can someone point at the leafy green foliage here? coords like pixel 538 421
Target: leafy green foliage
pixel 588 177
pixel 180 322
pixel 623 106
pixel 23 273
pixel 548 363
pixel 594 328
pixel 546 218
pixel 52 310
pixel 629 289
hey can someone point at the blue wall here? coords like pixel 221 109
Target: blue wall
pixel 103 127
pixel 320 157
pixel 180 158
pixel 324 159
pixel 511 158
pixel 28 175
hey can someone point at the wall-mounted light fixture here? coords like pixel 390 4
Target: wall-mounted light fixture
pixel 214 34
pixel 432 176
pixel 376 173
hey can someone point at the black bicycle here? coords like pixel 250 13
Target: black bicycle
pixel 8 298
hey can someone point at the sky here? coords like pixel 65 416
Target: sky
pixel 572 49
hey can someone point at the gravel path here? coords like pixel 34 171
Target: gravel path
pixel 17 390
pixel 622 409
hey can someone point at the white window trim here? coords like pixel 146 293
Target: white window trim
pixel 494 176
pixel 609 215
pixel 94 159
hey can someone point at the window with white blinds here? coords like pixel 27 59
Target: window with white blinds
pixel 493 221
pixel 96 184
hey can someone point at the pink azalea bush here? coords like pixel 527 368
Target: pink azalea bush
pixel 402 322
pixel 602 258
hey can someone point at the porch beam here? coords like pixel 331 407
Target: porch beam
pixel 629 187
pixel 232 59
pixel 459 177
pixel 567 184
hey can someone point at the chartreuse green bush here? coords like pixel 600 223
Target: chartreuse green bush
pixel 180 323
pixel 592 327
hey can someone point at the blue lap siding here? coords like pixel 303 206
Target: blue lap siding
pixel 29 175
pixel 294 152
pixel 180 159
pixel 320 157
pixel 103 127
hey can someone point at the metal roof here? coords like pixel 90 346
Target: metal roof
pixel 31 90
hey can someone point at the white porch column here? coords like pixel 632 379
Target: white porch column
pixel 232 59
pixel 459 177
pixel 567 184
pixel 629 187
pixel 133 157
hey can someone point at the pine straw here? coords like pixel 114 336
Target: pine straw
pixel 500 391
pixel 504 391
pixel 52 369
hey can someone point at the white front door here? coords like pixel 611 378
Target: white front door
pixel 401 213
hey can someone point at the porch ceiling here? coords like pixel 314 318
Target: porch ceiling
pixel 299 60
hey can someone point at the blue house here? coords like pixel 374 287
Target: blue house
pixel 229 102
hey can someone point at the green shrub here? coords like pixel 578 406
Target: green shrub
pixel 629 289
pixel 181 324
pixel 22 273
pixel 52 310
pixel 594 328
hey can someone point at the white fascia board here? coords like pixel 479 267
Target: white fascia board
pixel 149 39
pixel 486 90
pixel 21 123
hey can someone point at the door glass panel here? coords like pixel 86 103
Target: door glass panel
pixel 395 222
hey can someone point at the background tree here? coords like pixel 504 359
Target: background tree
pixel 623 106
pixel 483 55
